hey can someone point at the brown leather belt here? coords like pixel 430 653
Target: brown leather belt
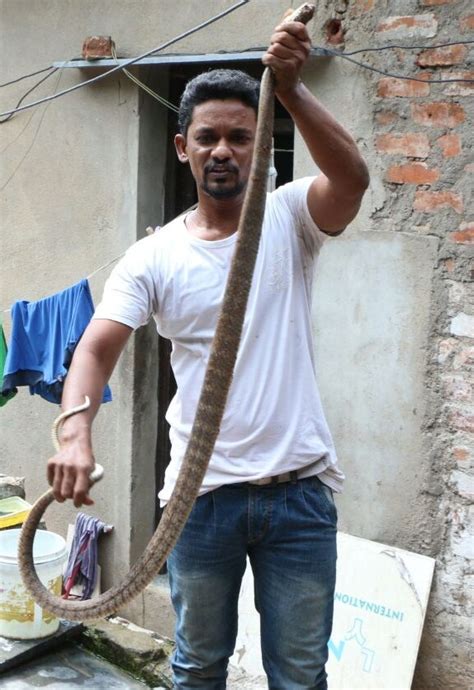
pixel 276 479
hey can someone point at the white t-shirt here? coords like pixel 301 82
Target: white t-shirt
pixel 273 422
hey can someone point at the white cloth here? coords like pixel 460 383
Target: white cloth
pixel 273 420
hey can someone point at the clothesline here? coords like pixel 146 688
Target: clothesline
pixel 101 268
pixel 149 231
pixel 97 270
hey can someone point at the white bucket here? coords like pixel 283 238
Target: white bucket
pixel 20 617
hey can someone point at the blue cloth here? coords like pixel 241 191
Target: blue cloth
pixel 288 532
pixel 43 338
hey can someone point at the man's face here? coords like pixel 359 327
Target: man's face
pixel 219 146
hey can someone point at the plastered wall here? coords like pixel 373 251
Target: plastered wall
pixel 400 398
pixel 80 178
pixel 393 298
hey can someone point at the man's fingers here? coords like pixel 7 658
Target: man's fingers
pixel 81 488
pixel 297 29
pixel 57 482
pixel 70 480
pixel 67 484
pixel 274 62
pixel 51 469
pixel 284 53
pixel 291 42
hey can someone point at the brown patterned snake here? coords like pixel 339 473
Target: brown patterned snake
pixel 211 403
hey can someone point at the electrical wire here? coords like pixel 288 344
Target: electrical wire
pixel 132 61
pixel 25 76
pixel 336 53
pixel 352 52
pixel 400 47
pixel 146 88
pixel 162 100
pixel 11 114
pixel 323 51
pixel 152 93
pixel 32 143
pixel 25 126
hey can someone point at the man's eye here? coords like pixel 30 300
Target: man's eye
pixel 204 139
pixel 241 139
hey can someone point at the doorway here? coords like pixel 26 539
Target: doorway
pixel 179 194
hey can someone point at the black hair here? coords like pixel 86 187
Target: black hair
pixel 216 84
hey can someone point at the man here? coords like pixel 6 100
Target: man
pixel 268 491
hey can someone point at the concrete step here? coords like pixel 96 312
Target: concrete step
pixel 67 668
pixel 145 654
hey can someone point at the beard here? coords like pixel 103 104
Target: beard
pixel 222 190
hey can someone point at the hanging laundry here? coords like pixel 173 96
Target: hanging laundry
pixel 4 397
pixel 44 337
pixel 81 567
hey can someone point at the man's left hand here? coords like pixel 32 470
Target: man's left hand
pixel 289 49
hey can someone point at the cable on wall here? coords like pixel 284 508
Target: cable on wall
pixel 322 50
pixel 344 56
pixel 146 88
pixel 11 114
pixel 397 46
pixel 26 76
pixel 132 61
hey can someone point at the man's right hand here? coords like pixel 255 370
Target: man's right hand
pixel 92 364
pixel 68 473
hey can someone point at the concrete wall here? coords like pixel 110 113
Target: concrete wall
pixel 80 179
pixel 371 310
pixel 82 176
pixel 69 197
pixel 394 304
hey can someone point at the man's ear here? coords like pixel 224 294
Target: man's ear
pixel 180 146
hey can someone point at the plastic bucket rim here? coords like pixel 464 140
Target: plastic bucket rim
pixel 57 554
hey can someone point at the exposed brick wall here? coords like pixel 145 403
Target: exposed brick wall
pixel 412 173
pixel 438 114
pixel 431 202
pixel 412 26
pixel 450 145
pixel 466 23
pixel 442 57
pixel 412 144
pixel 423 144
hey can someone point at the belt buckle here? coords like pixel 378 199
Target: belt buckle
pixel 264 481
pixel 276 479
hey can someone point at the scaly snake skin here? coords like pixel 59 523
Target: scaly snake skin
pixel 211 403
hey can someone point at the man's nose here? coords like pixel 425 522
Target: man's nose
pixel 221 150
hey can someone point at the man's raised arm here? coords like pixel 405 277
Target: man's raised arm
pixel 92 365
pixel 335 196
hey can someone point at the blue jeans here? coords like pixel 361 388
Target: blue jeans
pixel 288 532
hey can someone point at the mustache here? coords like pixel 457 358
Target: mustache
pixel 219 167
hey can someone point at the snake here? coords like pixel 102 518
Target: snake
pixel 211 403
